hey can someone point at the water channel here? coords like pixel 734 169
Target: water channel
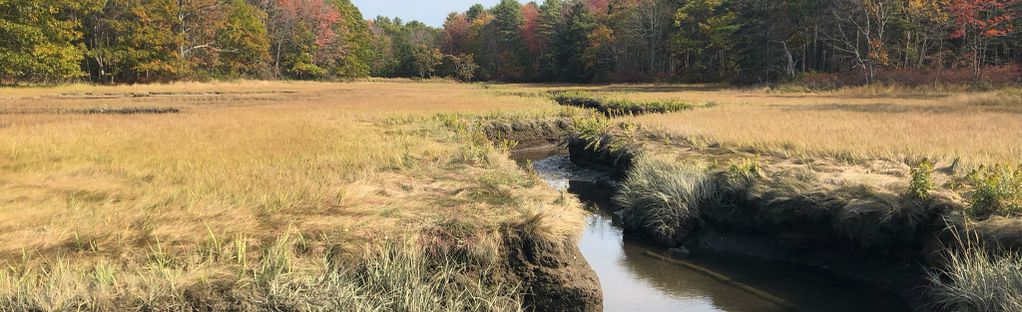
pixel 639 276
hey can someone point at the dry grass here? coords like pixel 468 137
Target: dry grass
pixel 859 123
pixel 345 166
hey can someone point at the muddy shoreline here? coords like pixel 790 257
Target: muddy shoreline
pixel 891 255
pixel 896 270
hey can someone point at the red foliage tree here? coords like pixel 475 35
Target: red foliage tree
pixel 980 21
pixel 305 36
pixel 456 34
pixel 316 15
pixel 530 29
pixel 598 7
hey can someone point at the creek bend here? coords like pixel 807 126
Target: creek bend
pixel 637 275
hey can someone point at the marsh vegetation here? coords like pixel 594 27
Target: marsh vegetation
pixel 273 199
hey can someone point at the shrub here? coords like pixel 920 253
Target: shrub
pixel 592 129
pixel 922 180
pixel 995 190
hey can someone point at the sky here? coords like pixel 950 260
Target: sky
pixel 431 12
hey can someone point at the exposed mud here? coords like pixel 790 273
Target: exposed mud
pixel 529 133
pixel 553 275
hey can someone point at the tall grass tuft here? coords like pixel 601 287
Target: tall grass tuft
pixel 975 280
pixel 661 197
pixel 394 279
pixel 592 129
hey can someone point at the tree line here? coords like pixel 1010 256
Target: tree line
pixel 130 41
pixel 742 41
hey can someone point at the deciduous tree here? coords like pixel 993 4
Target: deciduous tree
pixel 243 41
pixel 979 22
pixel 40 39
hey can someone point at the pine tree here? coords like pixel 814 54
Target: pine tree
pixel 569 45
pixel 508 23
pixel 551 23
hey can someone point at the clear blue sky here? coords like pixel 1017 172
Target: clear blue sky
pixel 431 12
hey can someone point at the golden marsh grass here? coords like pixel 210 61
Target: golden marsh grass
pixel 332 161
pixel 867 122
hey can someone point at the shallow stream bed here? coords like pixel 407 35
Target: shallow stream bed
pixel 639 276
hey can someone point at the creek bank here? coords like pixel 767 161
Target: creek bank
pixel 553 275
pixel 852 220
pixel 528 133
pixel 860 233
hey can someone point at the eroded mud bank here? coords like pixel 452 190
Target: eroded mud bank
pixel 554 276
pixel 866 233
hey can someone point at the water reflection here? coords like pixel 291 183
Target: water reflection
pixel 633 280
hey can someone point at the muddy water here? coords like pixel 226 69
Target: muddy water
pixel 637 276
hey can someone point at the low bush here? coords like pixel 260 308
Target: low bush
pixel 922 180
pixel 997 76
pixel 995 190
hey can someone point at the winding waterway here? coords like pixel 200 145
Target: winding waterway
pixel 638 276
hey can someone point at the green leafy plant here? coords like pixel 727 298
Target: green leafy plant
pixel 995 190
pixel 922 180
pixel 592 129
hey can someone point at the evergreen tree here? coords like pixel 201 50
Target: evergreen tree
pixel 475 11
pixel 569 45
pixel 551 23
pixel 507 25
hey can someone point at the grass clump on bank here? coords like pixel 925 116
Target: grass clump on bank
pixel 663 197
pixel 618 107
pixel 972 279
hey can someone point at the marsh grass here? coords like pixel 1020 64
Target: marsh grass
pixel 974 279
pixel 1007 98
pixel 281 200
pixel 886 122
pixel 613 107
pixel 96 111
pixel 397 277
pixel 662 197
